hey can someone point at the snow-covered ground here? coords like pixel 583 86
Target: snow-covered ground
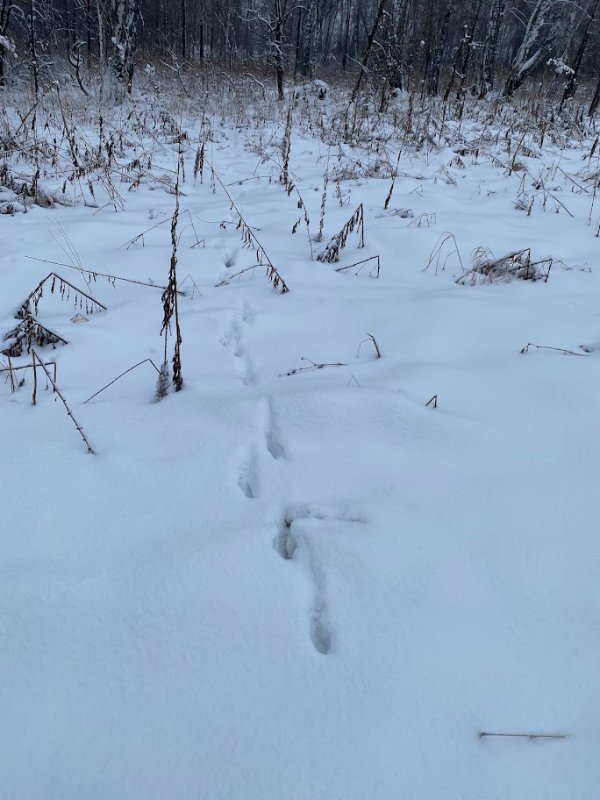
pixel 295 583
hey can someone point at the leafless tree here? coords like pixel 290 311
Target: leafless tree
pixel 7 11
pixel 123 18
pixel 572 82
pixel 490 46
pixel 541 35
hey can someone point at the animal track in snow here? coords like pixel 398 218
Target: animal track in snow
pixel 248 475
pixel 248 314
pixel 288 545
pixel 284 543
pixel 233 339
pixel 320 633
pixel 271 431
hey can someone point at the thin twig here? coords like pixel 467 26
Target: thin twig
pixel 360 265
pixel 530 736
pixel 557 349
pixel 273 273
pixel 64 402
pixel 93 273
pixel 135 366
pixel 373 341
pixel 313 365
pixel 61 280
pixel 10 375
pixel 34 395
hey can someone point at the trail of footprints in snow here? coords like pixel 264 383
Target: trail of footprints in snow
pixel 248 474
pixel 289 544
pixel 248 471
pixel 233 339
pixel 286 543
pixel 271 432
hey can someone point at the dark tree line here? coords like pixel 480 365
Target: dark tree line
pixel 435 47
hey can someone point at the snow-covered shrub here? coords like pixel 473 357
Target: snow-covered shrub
pixel 518 264
pixel 9 202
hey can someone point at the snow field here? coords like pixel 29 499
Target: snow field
pixel 306 585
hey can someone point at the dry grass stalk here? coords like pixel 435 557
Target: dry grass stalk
pixel 424 220
pixel 518 264
pixel 556 349
pixel 199 163
pixel 303 218
pixel 92 275
pixel 11 371
pixel 27 333
pixel 250 239
pixel 373 341
pixel 64 288
pixel 313 365
pixel 393 183
pixel 319 236
pixel 445 239
pixel 530 736
pixel 37 361
pixel 338 242
pixel 135 366
pixel 361 264
pixel 169 301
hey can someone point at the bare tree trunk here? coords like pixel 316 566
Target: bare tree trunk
pixel 307 37
pixel 88 32
pixel 367 54
pixel 183 30
pixel 595 100
pixel 426 44
pixel 6 8
pixel 278 42
pixel 346 45
pixel 68 26
pixel 298 46
pixel 490 47
pixel 433 81
pixel 464 70
pixel 392 55
pixel 101 50
pixel 572 83
pixel 124 20
pixel 403 36
pixel 33 53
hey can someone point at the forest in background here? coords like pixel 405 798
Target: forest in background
pixel 433 47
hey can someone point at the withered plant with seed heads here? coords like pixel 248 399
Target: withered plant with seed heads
pixel 62 287
pixel 38 362
pixel 170 307
pixel 29 332
pixel 250 240
pixel 319 236
pixel 338 242
pixel 199 163
pixel 518 264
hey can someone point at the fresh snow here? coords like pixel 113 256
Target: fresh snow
pixel 306 586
